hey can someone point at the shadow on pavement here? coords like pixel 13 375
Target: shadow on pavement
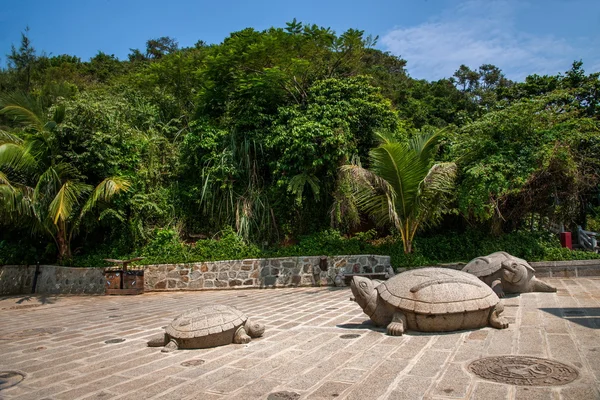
pixel 584 316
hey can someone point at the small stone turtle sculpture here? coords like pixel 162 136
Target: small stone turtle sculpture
pixel 506 274
pixel 429 300
pixel 208 326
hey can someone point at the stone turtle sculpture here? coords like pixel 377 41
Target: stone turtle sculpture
pixel 429 300
pixel 208 326
pixel 506 274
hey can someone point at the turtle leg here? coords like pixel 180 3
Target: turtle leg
pixel 241 336
pixel 497 287
pixel 172 345
pixel 158 341
pixel 496 321
pixel 398 324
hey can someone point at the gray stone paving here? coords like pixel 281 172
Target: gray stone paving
pixel 59 342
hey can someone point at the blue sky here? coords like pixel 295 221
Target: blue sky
pixel 434 36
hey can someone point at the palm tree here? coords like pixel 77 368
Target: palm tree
pixel 36 189
pixel 403 185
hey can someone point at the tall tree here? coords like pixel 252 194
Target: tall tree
pixel 403 186
pixel 36 188
pixel 23 60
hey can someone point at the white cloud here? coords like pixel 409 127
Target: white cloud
pixel 479 32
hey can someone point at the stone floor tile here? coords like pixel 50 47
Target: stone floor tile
pixel 410 388
pixel 310 356
pixel 490 391
pixel 329 390
pixel 454 383
pixel 535 393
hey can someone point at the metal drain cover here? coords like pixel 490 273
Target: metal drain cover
pixel 523 371
pixel 283 396
pixel 350 336
pixel 10 378
pixel 111 341
pixel 192 363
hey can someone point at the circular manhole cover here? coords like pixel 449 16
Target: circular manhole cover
pixel 283 396
pixel 350 336
pixel 111 341
pixel 10 378
pixel 192 363
pixel 523 371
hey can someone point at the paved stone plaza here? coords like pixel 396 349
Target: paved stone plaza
pixel 316 345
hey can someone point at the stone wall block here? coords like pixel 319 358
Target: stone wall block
pixel 223 276
pixel 161 285
pixel 221 283
pixel 195 275
pixel 196 284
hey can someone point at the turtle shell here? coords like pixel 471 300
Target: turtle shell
pixel 437 291
pixel 207 320
pixel 485 266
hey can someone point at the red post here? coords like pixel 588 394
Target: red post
pixel 565 240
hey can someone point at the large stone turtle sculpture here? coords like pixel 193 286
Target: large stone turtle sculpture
pixel 208 326
pixel 505 273
pixel 429 300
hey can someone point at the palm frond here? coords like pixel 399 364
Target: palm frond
pixel 11 155
pixel 373 194
pixel 403 170
pixel 105 191
pixel 7 137
pixel 437 192
pixel 66 199
pixel 425 144
pixel 298 183
pixel 48 184
pixel 24 109
pixel 386 137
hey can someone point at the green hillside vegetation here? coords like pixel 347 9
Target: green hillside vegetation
pixel 289 141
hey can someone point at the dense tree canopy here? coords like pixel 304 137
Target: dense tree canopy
pixel 249 136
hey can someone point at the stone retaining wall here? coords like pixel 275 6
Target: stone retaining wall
pixel 18 279
pixel 261 273
pixel 253 273
pixel 566 269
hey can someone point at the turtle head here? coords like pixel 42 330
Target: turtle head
pixel 518 277
pixel 254 329
pixel 515 272
pixel 363 290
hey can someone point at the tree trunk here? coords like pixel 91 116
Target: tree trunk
pixel 64 248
